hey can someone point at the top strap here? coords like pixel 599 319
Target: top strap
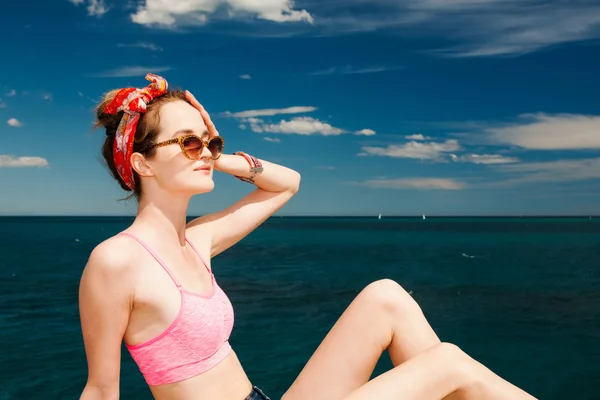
pixel 156 257
pixel 199 255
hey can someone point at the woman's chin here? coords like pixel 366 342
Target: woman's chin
pixel 203 187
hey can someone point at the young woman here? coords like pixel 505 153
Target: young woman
pixel 152 285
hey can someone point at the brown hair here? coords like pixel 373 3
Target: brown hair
pixel 145 134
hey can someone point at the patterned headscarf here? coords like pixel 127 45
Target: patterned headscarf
pixel 132 102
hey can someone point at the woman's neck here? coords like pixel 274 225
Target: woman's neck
pixel 167 217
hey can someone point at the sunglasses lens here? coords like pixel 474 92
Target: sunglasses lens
pixel 193 146
pixel 215 145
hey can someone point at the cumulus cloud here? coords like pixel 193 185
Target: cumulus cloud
pixel 245 76
pixel 550 132
pixel 365 132
pixel 435 151
pixel 129 71
pixel 417 136
pixel 11 93
pixel 95 8
pixel 160 12
pixel 2 104
pixel 298 125
pixel 415 183
pixel 8 161
pixel 15 123
pixel 269 112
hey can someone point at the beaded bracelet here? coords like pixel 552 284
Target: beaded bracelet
pixel 255 166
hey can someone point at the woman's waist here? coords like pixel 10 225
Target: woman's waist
pixel 227 381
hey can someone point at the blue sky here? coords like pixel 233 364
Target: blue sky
pixel 403 107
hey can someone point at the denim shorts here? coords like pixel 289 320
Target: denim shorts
pixel 257 394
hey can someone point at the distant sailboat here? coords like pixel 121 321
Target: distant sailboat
pixel 379 216
pixel 424 216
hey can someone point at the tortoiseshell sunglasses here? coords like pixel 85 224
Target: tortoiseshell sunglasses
pixel 192 146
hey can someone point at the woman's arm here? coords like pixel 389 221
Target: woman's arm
pixel 276 185
pixel 105 301
pixel 274 178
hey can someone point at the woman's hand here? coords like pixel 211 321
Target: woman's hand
pixel 212 130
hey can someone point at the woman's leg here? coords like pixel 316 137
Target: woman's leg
pixel 383 316
pixel 436 373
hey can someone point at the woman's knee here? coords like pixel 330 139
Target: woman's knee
pixel 390 297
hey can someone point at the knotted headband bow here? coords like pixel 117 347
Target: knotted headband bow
pixel 132 102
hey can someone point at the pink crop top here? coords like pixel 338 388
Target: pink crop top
pixel 196 341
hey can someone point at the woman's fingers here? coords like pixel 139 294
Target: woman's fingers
pixel 205 116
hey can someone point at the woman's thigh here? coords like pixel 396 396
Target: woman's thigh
pixel 346 358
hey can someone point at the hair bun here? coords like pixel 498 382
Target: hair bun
pixel 110 122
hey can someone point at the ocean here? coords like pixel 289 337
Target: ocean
pixel 521 295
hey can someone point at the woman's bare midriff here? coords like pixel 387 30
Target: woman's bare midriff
pixel 226 381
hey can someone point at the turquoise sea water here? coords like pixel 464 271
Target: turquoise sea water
pixel 521 295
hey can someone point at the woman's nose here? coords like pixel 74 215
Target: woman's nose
pixel 205 152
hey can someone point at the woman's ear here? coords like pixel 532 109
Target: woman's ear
pixel 141 165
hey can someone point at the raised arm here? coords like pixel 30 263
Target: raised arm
pixel 105 302
pixel 276 185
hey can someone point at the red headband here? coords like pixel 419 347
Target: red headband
pixel 132 102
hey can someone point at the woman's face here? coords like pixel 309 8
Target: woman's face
pixel 173 171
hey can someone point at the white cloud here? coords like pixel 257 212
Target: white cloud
pixel 141 45
pixel 170 13
pixel 549 171
pixel 11 93
pixel 7 161
pixel 245 76
pixel 95 8
pixel 415 183
pixel 478 28
pixel 299 126
pixel 550 132
pixel 15 123
pixel 2 104
pixel 128 71
pixel 484 159
pixel 268 112
pixel 272 140
pixel 325 167
pixel 365 132
pixel 47 96
pixel 349 69
pixel 434 151
pixel 417 136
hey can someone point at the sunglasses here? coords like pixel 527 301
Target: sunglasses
pixel 192 146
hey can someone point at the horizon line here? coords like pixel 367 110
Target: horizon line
pixel 383 216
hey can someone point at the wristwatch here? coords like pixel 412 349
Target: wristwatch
pixel 255 166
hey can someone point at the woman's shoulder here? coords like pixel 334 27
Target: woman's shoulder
pixel 108 278
pixel 113 255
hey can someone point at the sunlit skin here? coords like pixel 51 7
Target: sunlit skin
pixel 126 295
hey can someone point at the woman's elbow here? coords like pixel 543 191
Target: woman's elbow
pixel 295 182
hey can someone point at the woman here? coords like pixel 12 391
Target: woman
pixel 152 285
